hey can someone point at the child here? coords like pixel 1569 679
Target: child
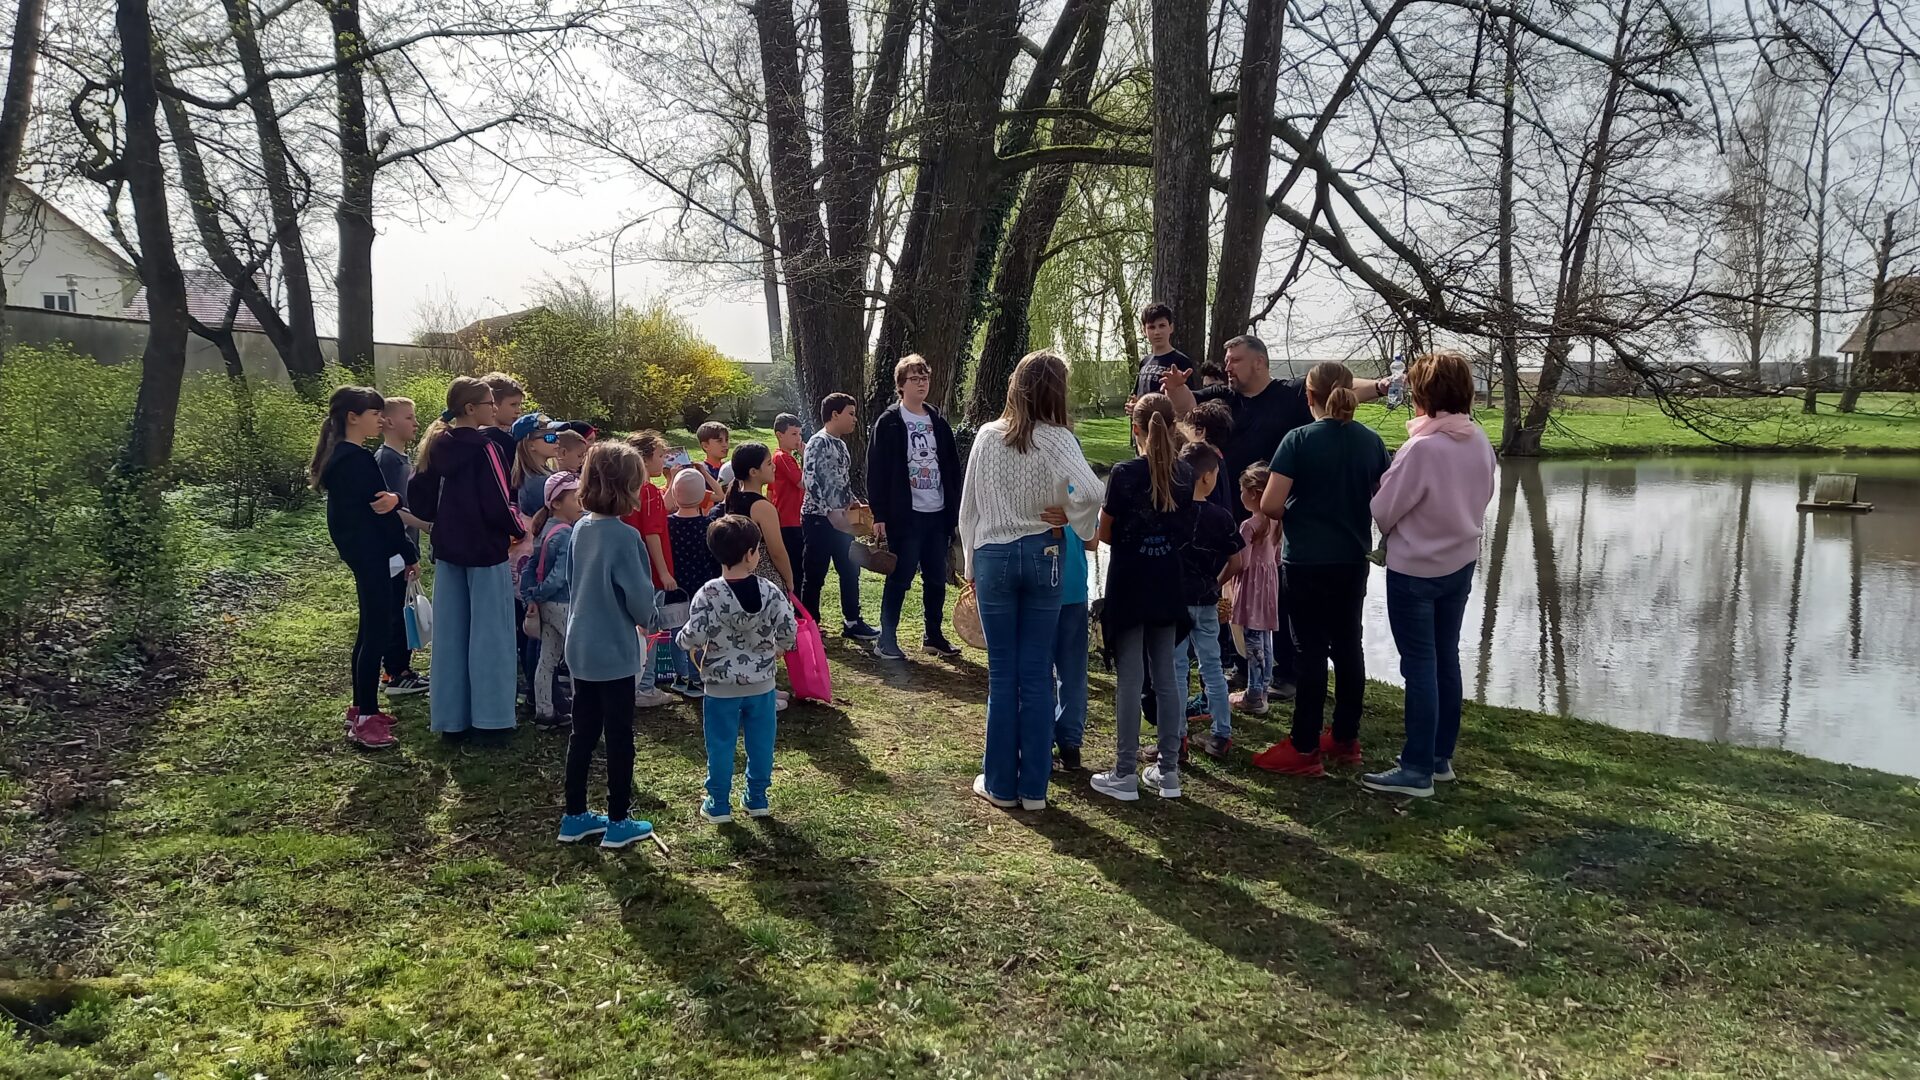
pixel 752 471
pixel 649 518
pixel 1256 592
pixel 788 490
pixel 687 537
pixel 1070 650
pixel 1211 554
pixel 367 532
pixel 497 423
pixel 461 487
pixel 1323 478
pixel 740 626
pixel 546 587
pixel 713 437
pixel 609 612
pixel 569 448
pixel 533 462
pixel 1148 511
pixel 397 428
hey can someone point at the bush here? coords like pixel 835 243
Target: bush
pixel 250 441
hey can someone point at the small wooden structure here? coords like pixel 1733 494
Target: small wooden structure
pixel 1836 491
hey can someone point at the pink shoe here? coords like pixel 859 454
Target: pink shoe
pixel 353 717
pixel 371 733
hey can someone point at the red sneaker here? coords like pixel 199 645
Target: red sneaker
pixel 1340 753
pixel 368 732
pixel 1282 758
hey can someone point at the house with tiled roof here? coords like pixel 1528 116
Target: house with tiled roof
pixel 51 261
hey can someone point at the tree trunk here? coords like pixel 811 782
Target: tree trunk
pixel 1244 233
pixel 1181 168
pixel 164 361
pixel 769 254
pixel 15 108
pixel 973 44
pixel 1811 403
pixel 1573 270
pixel 1020 261
pixel 1509 313
pixel 301 354
pixel 353 272
pixel 1862 365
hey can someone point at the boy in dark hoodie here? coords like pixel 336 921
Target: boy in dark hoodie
pixel 913 484
pixel 460 485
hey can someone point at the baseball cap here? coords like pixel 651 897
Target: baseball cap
pixel 559 484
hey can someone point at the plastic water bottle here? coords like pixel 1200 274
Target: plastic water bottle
pixel 1396 383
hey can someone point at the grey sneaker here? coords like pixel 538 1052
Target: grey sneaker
pixel 1216 746
pixel 1443 770
pixel 1165 785
pixel 1125 788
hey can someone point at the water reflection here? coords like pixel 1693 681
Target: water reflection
pixel 1689 596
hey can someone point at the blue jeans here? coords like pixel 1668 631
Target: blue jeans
pixel 726 719
pixel 1017 586
pixel 1425 614
pixel 684 669
pixel 919 542
pixel 1070 676
pixel 473 662
pixel 1205 644
pixel 1259 662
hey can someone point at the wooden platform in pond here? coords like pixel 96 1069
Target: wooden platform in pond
pixel 1836 491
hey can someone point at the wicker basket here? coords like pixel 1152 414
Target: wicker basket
pixel 860 520
pixel 870 553
pixel 966 619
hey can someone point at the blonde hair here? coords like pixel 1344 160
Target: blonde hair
pixel 466 392
pixel 610 482
pixel 1160 445
pixel 394 403
pixel 1331 384
pixel 531 458
pixel 1036 394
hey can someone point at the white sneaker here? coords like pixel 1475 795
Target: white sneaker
pixel 653 698
pixel 1165 785
pixel 980 789
pixel 1033 804
pixel 1124 788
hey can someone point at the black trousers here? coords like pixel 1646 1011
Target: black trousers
pixel 1325 604
pixel 602 707
pixel 795 537
pixel 380 607
pixel 399 658
pixel 919 542
pixel 826 544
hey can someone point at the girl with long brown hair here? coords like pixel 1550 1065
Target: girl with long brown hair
pixel 1148 511
pixel 1026 479
pixel 461 487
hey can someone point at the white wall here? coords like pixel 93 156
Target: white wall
pixel 41 252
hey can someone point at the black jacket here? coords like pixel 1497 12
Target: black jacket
pixel 364 539
pixel 887 486
pixel 463 493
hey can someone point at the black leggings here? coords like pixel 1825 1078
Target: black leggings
pixel 380 608
pixel 599 706
pixel 1325 605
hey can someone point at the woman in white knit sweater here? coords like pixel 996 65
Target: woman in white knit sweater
pixel 1026 477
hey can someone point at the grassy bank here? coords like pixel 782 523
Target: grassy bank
pixel 1583 902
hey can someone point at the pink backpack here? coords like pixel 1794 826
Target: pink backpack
pixel 807 663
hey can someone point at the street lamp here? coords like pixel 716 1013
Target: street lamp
pixel 613 276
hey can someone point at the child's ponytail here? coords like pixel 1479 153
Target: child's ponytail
pixel 346 400
pixel 463 394
pixel 748 457
pixel 1330 383
pixel 1160 446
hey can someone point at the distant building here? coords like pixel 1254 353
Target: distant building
pixel 1895 364
pixel 51 262
pixel 208 295
pixel 496 329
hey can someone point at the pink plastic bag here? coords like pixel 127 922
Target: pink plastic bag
pixel 807 663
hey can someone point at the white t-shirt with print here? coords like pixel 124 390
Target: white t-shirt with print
pixel 923 463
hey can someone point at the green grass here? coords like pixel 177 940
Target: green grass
pixel 1584 902
pixel 1597 427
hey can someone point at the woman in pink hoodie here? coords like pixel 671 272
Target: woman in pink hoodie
pixel 1431 506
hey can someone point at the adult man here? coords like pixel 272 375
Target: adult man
pixel 828 471
pixel 1264 410
pixel 913 483
pixel 1156 322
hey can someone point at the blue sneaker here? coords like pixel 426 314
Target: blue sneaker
pixel 577 827
pixel 713 813
pixel 1399 782
pixel 758 807
pixel 626 831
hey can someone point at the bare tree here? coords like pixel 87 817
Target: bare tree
pixel 22 63
pixel 1182 130
pixel 1761 259
pixel 1244 230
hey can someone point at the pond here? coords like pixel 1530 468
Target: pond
pixel 1689 596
